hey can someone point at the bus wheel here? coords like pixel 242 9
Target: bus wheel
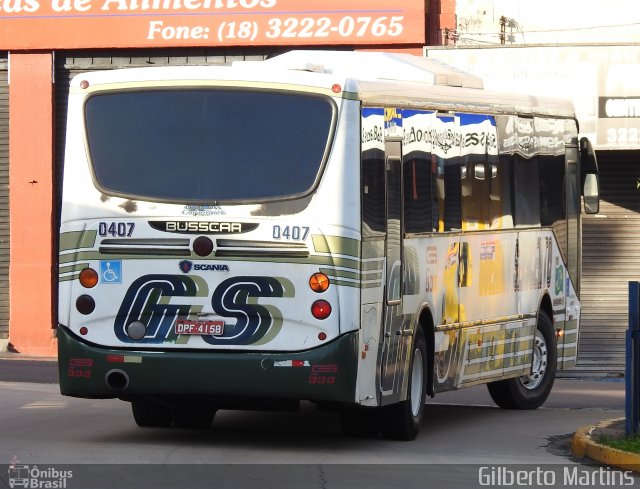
pixel 150 414
pixel 193 416
pixel 360 422
pixel 402 421
pixel 531 391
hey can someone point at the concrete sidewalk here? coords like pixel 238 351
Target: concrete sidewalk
pixel 8 355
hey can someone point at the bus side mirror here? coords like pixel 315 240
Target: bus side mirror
pixel 591 194
pixel 590 183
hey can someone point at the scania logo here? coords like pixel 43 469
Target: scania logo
pixel 211 267
pixel 186 266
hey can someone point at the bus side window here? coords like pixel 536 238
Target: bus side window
pixel 417 193
pixel 437 192
pixel 553 211
pixel 373 194
pixel 526 177
pixel 452 190
pixel 476 181
pixel 552 208
pixel 500 193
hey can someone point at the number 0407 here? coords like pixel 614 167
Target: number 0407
pixel 294 233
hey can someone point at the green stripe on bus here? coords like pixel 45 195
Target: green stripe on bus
pixel 332 272
pixel 519 361
pixel 343 283
pixel 77 239
pixel 73 268
pixel 489 349
pixel 373 248
pixel 372 266
pixel 371 286
pixel 68 277
pixel 569 352
pixel 485 368
pixel 377 275
pixel 571 325
pixel 336 245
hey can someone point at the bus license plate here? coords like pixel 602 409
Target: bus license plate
pixel 212 328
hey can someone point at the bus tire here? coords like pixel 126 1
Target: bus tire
pixel 360 422
pixel 149 414
pixel 531 391
pixel 401 421
pixel 193 416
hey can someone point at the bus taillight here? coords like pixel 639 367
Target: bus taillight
pixel 321 309
pixel 85 304
pixel 88 278
pixel 319 282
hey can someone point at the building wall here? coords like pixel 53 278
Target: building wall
pixel 31 202
pixel 4 201
pixel 36 143
pixel 547 21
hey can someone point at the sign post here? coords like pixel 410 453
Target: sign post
pixel 632 377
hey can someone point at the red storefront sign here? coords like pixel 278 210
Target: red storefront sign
pixel 72 24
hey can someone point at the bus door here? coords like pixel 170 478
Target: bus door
pixel 393 344
pixel 572 196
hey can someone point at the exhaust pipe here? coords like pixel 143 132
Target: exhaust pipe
pixel 117 380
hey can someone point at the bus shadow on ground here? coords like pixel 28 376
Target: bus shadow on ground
pixel 307 428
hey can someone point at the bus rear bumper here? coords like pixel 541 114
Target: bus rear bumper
pixel 323 374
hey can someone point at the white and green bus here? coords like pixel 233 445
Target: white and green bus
pixel 358 230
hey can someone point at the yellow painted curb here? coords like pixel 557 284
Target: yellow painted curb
pixel 583 445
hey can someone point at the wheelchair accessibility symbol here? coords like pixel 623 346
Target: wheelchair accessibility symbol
pixel 111 272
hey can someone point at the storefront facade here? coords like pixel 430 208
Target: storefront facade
pixel 46 43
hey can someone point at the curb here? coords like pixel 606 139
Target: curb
pixel 583 445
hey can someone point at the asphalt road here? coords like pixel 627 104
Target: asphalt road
pixel 463 433
pixel 17 370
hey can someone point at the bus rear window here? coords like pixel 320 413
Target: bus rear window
pixel 208 145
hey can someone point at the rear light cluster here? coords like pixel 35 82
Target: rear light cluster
pixel 320 309
pixel 85 303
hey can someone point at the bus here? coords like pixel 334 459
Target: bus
pixel 359 230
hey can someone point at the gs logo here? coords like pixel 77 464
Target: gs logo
pixel 149 300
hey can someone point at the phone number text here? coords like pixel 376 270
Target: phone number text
pixel 287 28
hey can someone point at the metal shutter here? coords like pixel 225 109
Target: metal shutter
pixel 4 197
pixel 610 259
